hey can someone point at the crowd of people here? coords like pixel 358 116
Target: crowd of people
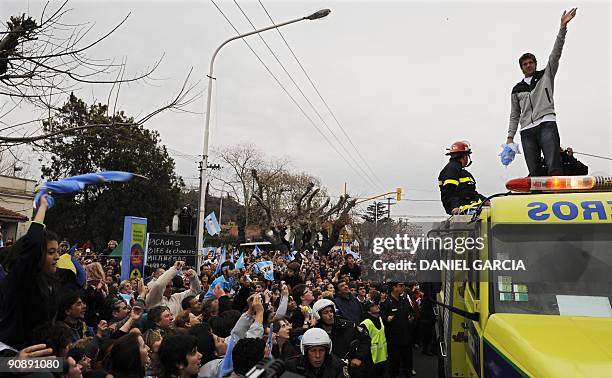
pixel 316 314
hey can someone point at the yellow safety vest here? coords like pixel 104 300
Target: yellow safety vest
pixel 379 341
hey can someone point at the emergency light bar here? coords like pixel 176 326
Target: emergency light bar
pixel 560 184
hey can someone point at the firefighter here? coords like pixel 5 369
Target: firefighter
pixel 457 185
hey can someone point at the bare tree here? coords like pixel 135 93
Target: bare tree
pixel 43 60
pixel 305 214
pixel 238 161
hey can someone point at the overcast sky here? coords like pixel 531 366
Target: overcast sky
pixel 405 79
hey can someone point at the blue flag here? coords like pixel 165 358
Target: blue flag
pixel 256 251
pixel 227 365
pixel 77 183
pixel 267 268
pixel 212 225
pixel 221 261
pixel 240 262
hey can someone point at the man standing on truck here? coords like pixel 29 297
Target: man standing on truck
pixel 532 106
pixel 457 185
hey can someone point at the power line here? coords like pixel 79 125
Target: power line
pixel 286 91
pixel 321 97
pixel 302 93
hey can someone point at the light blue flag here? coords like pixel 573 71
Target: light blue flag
pixel 356 255
pixel 256 251
pixel 77 183
pixel 212 225
pixel 240 262
pixel 232 256
pixel 227 365
pixel 221 261
pixel 267 268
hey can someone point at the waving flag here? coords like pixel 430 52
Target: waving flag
pixel 212 225
pixel 240 262
pixel 356 255
pixel 227 365
pixel 256 251
pixel 267 268
pixel 77 183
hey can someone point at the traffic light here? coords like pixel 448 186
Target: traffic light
pixel 398 194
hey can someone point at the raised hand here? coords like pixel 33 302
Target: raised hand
pixel 567 16
pixel 38 350
pixel 178 265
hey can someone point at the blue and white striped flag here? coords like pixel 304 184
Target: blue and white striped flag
pixel 265 267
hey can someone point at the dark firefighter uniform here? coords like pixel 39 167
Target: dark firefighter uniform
pixel 457 187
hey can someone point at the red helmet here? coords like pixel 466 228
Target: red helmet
pixel 458 147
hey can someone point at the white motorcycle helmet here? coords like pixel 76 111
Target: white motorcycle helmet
pixel 315 337
pixel 320 305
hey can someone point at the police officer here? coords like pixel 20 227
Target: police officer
pixel 376 330
pixel 317 360
pixel 351 340
pixel 398 316
pixel 457 185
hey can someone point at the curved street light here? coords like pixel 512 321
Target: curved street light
pixel 203 175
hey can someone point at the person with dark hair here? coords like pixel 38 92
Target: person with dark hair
pixel 78 354
pixel 192 304
pixel 350 269
pixel 247 353
pixel 56 336
pixel 72 311
pixel 533 107
pixel 179 356
pixel 378 340
pixel 292 277
pixel 128 357
pixel 159 320
pixel 348 306
pixel 286 340
pixel 302 315
pixel 28 293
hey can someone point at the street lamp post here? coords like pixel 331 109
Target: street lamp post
pixel 221 203
pixel 203 174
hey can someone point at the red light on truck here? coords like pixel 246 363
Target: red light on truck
pixel 559 184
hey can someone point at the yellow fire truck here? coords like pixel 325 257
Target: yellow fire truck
pixel 552 319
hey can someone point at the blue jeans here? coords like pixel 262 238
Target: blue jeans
pixel 544 138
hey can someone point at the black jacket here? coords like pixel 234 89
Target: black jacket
pixel 400 330
pixel 333 367
pixel 28 297
pixel 343 333
pixel 457 186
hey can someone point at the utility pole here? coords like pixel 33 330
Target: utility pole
pixel 376 213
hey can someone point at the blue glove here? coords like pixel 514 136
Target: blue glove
pixel 508 153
